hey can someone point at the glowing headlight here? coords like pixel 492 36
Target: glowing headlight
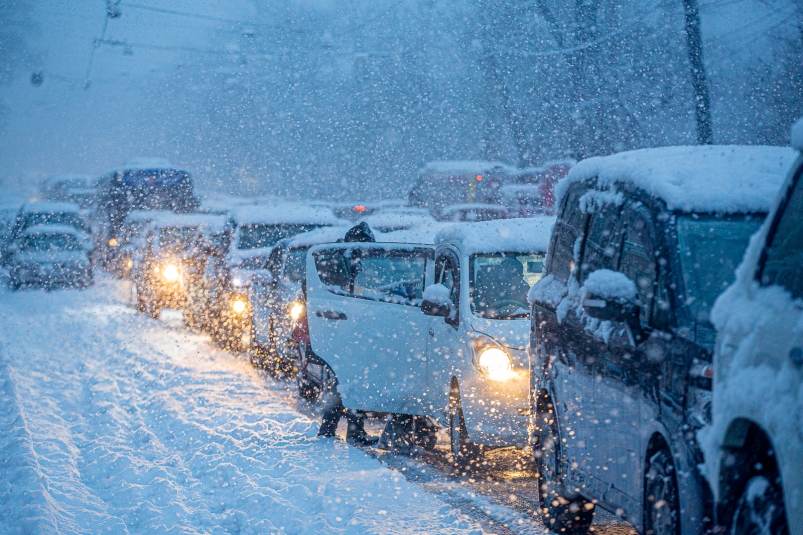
pixel 238 305
pixel 296 310
pixel 237 281
pixel 170 273
pixel 495 364
pixel 113 242
pixel 129 263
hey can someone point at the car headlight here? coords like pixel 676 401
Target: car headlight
pixel 237 281
pixel 113 242
pixel 239 305
pixel 296 310
pixel 170 273
pixel 493 361
pixel 129 263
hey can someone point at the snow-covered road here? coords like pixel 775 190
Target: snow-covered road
pixel 111 422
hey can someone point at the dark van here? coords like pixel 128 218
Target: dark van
pixel 142 184
pixel 621 340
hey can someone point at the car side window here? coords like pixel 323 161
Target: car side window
pixel 638 257
pixel 569 230
pixel 784 255
pixel 395 276
pixel 602 247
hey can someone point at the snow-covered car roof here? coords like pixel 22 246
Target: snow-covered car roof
pixel 319 235
pixel 48 207
pixel 290 214
pixel 146 215
pixel 472 206
pixel 390 220
pixel 52 229
pixel 418 235
pixel 499 236
pixel 465 166
pixel 712 178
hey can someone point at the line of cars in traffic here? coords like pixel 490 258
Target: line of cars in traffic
pixel 599 337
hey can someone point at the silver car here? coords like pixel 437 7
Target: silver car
pixel 50 256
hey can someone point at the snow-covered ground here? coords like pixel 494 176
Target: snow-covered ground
pixel 111 422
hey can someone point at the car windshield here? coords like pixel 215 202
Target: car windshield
pixel 50 242
pixel 711 248
pixel 500 283
pixel 178 238
pixel 295 266
pixel 265 235
pixel 70 219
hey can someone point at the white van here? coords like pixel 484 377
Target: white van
pixel 455 353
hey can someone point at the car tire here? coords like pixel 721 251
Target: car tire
pixel 465 453
pixel 661 499
pixel 306 389
pixel 760 508
pixel 562 511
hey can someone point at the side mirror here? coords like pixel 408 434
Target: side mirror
pixel 430 308
pixel 610 296
pixel 437 302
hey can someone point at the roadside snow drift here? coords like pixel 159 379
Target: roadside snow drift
pixel 115 423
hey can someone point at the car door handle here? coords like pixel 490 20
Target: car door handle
pixel 331 315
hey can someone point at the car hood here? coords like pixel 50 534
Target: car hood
pixel 50 257
pixel 514 333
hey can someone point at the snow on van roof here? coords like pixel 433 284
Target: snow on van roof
pixel 425 235
pixel 49 207
pixel 318 235
pixel 465 166
pixel 499 236
pixel 52 229
pixel 712 178
pixel 290 214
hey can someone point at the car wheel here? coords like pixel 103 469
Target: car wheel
pixel 661 504
pixel 562 511
pixel 760 508
pixel 306 389
pixel 464 451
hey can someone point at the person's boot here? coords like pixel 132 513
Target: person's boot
pixel 356 430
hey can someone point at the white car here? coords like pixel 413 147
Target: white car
pixel 754 447
pixel 458 357
pixel 48 256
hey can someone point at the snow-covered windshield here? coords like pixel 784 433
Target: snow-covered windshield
pixel 178 238
pixel 259 235
pixel 711 248
pixel 49 242
pixel 500 282
pixel 295 266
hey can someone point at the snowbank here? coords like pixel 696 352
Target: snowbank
pixel 724 178
pixel 500 236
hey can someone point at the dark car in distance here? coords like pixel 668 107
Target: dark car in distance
pixel 621 340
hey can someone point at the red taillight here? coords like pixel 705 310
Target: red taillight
pixel 479 178
pixel 359 208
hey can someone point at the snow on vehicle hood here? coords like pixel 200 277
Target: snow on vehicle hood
pixel 528 235
pixel 514 333
pixel 713 178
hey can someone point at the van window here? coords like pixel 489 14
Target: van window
pixel 638 256
pixel 785 255
pixel 395 276
pixel 602 248
pixel 568 230
pixel 500 283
